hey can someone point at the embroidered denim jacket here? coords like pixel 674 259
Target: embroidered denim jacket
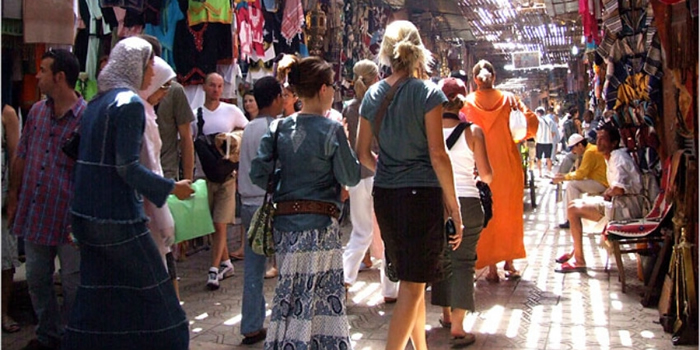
pixel 109 179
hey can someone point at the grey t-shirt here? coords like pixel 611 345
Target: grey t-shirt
pixel 173 110
pixel 351 114
pixel 404 158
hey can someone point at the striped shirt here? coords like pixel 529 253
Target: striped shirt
pixel 47 181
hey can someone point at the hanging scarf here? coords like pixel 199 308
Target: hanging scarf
pixel 126 65
pixel 293 19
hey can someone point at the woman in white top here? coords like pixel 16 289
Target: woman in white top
pixel 469 150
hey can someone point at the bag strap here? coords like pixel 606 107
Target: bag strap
pixel 271 177
pixel 200 122
pixel 454 136
pixel 379 117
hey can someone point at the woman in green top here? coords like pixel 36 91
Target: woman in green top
pixel 413 181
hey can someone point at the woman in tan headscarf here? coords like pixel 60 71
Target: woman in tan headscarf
pixel 490 109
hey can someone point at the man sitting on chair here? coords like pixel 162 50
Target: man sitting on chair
pixel 623 177
pixel 589 177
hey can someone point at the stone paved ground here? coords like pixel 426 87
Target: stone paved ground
pixel 543 310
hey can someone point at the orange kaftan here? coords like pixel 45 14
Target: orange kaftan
pixel 503 238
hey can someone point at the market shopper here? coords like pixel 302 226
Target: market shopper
pixel 40 192
pixel 268 94
pixel 315 161
pixel 468 152
pixel 125 299
pixel 361 199
pixel 413 183
pixel 219 117
pixel 490 109
pixel 10 259
pixel 161 223
pixel 546 133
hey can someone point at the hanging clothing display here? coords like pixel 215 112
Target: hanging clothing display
pixel 199 48
pixel 293 19
pixel 56 26
pixel 210 11
pixel 165 31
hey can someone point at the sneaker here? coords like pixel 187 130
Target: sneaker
pixel 213 279
pixel 225 271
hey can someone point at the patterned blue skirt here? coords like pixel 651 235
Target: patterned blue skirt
pixel 125 299
pixel 308 309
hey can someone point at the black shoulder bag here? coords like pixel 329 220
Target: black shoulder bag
pixel 484 189
pixel 216 168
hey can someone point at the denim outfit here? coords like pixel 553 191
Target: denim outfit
pixel 125 299
pixel 315 160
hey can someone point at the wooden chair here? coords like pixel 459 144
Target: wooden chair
pixel 636 235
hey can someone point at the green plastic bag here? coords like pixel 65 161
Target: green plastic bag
pixel 192 216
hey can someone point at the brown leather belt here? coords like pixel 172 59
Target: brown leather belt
pixel 306 207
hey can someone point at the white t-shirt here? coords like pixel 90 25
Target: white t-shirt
pixel 224 118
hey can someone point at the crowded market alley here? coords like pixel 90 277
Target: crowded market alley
pixel 543 310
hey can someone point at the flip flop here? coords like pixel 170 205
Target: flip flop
pixel 235 256
pixel 444 324
pixel 9 325
pixel 462 342
pixel 563 258
pixel 512 274
pixel 570 268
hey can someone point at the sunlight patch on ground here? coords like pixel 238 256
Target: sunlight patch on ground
pixel 365 292
pixel 647 334
pixel 201 316
pixel 533 333
pixel 597 302
pixel 514 323
pixel 603 337
pixel 625 338
pixel 493 318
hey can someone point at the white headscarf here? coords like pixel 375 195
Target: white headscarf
pixel 126 65
pixel 161 225
pixel 163 73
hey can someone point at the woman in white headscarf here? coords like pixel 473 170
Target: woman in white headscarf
pixel 125 299
pixel 161 224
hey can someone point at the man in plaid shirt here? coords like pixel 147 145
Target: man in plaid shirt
pixel 40 192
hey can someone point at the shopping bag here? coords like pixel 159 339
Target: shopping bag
pixel 518 125
pixel 192 216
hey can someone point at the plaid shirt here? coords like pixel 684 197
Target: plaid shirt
pixel 47 181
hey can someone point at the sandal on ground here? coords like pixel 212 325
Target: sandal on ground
pixel 563 258
pixel 444 324
pixel 236 256
pixel 492 278
pixel 570 268
pixel 255 338
pixel 462 341
pixel 513 274
pixel 9 325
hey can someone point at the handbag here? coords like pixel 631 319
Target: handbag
pixel 217 168
pixel 517 123
pixel 192 217
pixel 261 225
pixel 484 190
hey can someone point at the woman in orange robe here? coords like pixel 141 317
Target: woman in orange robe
pixel 489 108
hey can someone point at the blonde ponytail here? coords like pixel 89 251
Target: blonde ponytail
pixel 403 50
pixel 366 72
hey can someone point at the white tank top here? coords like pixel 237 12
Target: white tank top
pixel 463 163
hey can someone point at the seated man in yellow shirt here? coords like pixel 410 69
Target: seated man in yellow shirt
pixel 589 177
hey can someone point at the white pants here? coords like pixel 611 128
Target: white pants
pixel 361 214
pixel 575 188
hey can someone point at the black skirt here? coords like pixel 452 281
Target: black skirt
pixel 412 221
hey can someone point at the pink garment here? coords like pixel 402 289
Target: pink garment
pixel 293 19
pixel 257 22
pixel 245 34
pixel 588 20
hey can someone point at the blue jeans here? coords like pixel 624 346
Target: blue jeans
pixel 40 270
pixel 253 309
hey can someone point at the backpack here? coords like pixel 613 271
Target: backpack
pixel 569 128
pixel 484 190
pixel 215 166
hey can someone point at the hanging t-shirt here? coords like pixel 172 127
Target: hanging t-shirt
pixel 210 11
pixel 257 22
